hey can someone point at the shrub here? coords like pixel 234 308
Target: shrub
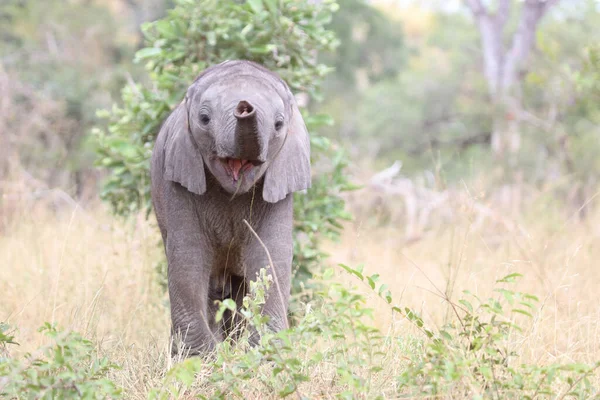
pixel 285 36
pixel 333 344
pixel 68 368
pixel 475 354
pixel 332 335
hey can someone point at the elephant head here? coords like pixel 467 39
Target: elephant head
pixel 240 122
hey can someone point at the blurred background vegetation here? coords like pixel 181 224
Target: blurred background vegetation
pixel 411 83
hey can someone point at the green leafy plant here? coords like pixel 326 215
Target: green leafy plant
pixel 335 349
pixel 283 35
pixel 332 334
pixel 474 355
pixel 6 338
pixel 68 368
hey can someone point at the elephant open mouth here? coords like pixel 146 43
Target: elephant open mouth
pixel 235 166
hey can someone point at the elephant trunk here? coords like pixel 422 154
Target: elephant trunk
pixel 249 144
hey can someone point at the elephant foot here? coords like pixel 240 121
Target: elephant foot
pixel 189 344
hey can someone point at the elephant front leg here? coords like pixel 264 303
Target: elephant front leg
pixel 274 253
pixel 194 329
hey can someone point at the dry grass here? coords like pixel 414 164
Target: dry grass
pixel 88 271
pixel 558 257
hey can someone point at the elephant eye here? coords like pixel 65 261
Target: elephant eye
pixel 205 119
pixel 278 125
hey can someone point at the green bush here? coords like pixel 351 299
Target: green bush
pixel 283 35
pixel 332 334
pixel 334 344
pixel 68 368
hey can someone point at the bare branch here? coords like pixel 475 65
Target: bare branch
pixel 477 8
pixel 490 29
pixel 524 39
pixel 550 3
pixel 503 13
pixel 493 49
pixel 461 143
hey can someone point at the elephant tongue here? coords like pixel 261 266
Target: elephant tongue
pixel 236 165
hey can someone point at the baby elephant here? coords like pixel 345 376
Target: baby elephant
pixel 234 149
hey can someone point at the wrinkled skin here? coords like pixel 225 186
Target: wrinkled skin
pixel 235 148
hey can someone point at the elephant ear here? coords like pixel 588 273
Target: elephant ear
pixel 290 169
pixel 183 161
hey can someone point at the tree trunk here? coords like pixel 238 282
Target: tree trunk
pixel 502 65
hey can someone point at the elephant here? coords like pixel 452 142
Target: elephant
pixel 235 149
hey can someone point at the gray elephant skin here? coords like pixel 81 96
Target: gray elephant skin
pixel 235 149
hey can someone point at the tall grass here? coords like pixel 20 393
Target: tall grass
pixel 86 271
pixel 558 256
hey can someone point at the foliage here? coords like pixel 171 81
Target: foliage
pixel 282 35
pixel 478 349
pixel 370 42
pixel 67 50
pixel 474 355
pixel 62 61
pixel 592 68
pixel 332 332
pixel 587 81
pixel 372 50
pixel 434 112
pixel 438 100
pixel 6 338
pixel 318 214
pixel 68 368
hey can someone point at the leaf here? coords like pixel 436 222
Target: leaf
pixel 271 5
pixel 147 52
pixel 510 278
pixel 446 335
pixel 260 49
pixel 288 389
pixel 382 289
pixel 165 28
pixel 486 371
pixel 467 305
pixel 211 38
pixel 527 304
pixel 521 311
pixel 246 30
pixel 388 297
pixel 508 295
pixel 227 304
pixel 256 6
pixel 531 297
pixel 372 280
pixel 314 121
pixel 353 271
